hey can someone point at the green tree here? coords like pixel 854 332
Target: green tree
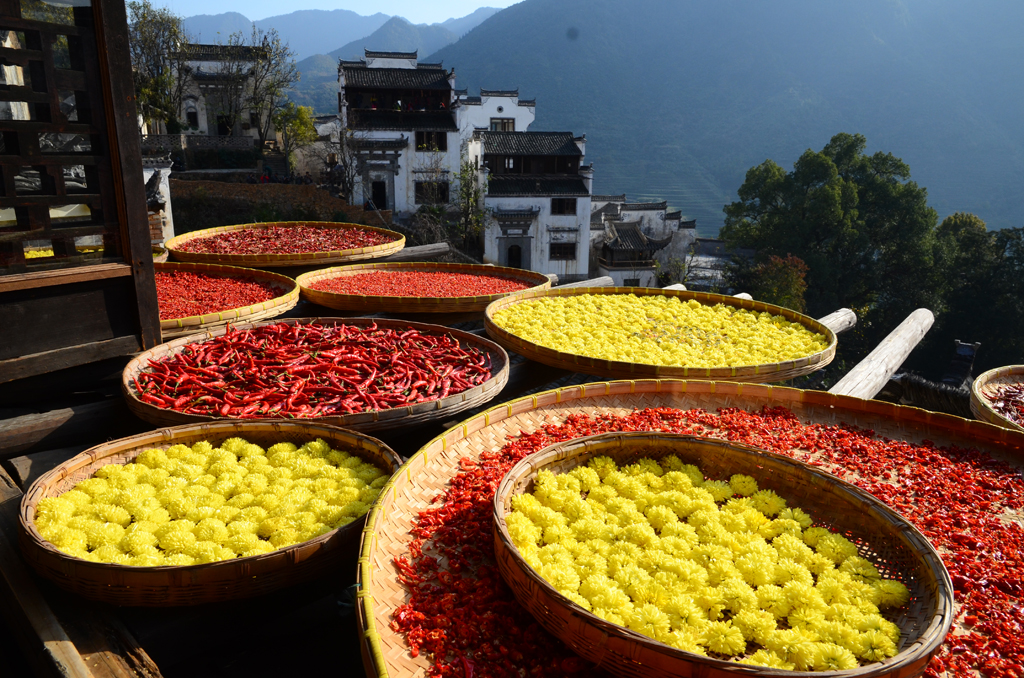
pixel 271 75
pixel 780 281
pixel 469 200
pixel 156 41
pixel 295 124
pixel 862 227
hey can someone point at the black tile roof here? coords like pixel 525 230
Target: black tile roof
pixel 609 198
pixel 499 92
pixel 530 143
pixel 636 206
pixel 220 52
pixel 505 185
pixel 597 216
pixel 370 54
pixel 527 102
pixel 432 121
pixel 375 144
pixel 628 237
pixel 358 76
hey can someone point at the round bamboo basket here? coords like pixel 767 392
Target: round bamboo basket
pixel 894 546
pixel 194 584
pixel 622 370
pixel 274 260
pixel 180 327
pixel 985 386
pixel 429 471
pixel 397 417
pixel 160 254
pixel 374 304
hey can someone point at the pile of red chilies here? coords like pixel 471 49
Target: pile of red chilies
pixel 310 370
pixel 286 240
pixel 419 284
pixel 1009 402
pixel 182 294
pixel 965 502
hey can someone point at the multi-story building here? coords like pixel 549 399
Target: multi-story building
pixel 629 241
pixel 213 102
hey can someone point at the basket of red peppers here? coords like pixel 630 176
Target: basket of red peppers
pixel 997 396
pixel 360 373
pixel 196 297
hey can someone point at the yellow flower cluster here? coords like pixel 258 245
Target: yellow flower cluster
pixel 200 504
pixel 48 252
pixel 706 566
pixel 658 330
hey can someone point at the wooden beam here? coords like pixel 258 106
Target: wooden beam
pixel 553 277
pixel 46 644
pixel 839 321
pixel 678 286
pixel 80 423
pixel 63 276
pixel 419 253
pixel 871 374
pixel 603 281
pixel 26 469
pixel 71 356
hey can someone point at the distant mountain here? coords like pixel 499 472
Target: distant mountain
pixel 679 98
pixel 465 24
pixel 398 35
pixel 307 31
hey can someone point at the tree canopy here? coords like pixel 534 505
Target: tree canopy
pixel 156 39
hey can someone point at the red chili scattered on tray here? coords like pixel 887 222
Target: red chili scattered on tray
pixel 284 371
pixel 419 284
pixel 286 240
pixel 1009 402
pixel 182 294
pixel 964 501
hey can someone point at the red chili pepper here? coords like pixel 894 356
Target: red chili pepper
pixel 182 294
pixel 271 239
pixel 436 284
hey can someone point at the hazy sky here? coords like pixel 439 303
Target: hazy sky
pixel 416 11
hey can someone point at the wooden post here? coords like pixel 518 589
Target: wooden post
pixel 603 281
pixel 871 374
pixel 839 321
pixel 419 253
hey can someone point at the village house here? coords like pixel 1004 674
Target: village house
pixel 632 241
pixel 411 130
pixel 213 101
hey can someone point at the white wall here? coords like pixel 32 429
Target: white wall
pixel 576 229
pixel 472 115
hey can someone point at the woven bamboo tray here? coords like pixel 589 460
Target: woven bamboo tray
pixel 275 260
pixel 985 386
pixel 180 327
pixel 398 417
pixel 894 546
pixel 374 304
pixel 160 254
pixel 429 471
pixel 623 370
pixel 194 584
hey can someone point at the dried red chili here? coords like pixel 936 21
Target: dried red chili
pixel 181 294
pixel 286 240
pixel 419 284
pixel 311 370
pixel 1008 401
pixel 961 499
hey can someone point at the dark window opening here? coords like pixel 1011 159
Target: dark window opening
pixel 431 192
pixel 379 193
pixel 431 141
pixel 503 124
pixel 631 282
pixel 515 256
pixel 563 206
pixel 562 251
pixel 193 118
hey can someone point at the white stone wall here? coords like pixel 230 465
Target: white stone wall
pixel 545 229
pixel 646 275
pixel 476 116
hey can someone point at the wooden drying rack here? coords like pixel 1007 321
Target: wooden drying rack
pixel 312 624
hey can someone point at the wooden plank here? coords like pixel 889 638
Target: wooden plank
pixel 105 644
pixel 64 276
pixel 839 321
pixel 44 641
pixel 72 356
pixel 417 253
pixel 871 374
pixel 111 48
pixel 603 281
pixel 54 429
pixel 26 469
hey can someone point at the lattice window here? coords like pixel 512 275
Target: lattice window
pixel 57 202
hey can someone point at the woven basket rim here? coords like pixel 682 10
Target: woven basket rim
pixel 142 441
pixel 294 258
pixel 307 279
pixel 785 395
pixel 376 418
pixel 602 367
pixel 980 404
pixel 221 270
pixel 928 557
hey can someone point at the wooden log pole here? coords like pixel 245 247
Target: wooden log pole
pixel 60 427
pixel 603 281
pixel 871 374
pixel 839 321
pixel 419 253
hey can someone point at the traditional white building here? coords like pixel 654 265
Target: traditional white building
pixel 629 241
pixel 204 110
pixel 536 199
pixel 494 111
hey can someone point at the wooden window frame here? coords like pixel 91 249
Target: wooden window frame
pixel 557 251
